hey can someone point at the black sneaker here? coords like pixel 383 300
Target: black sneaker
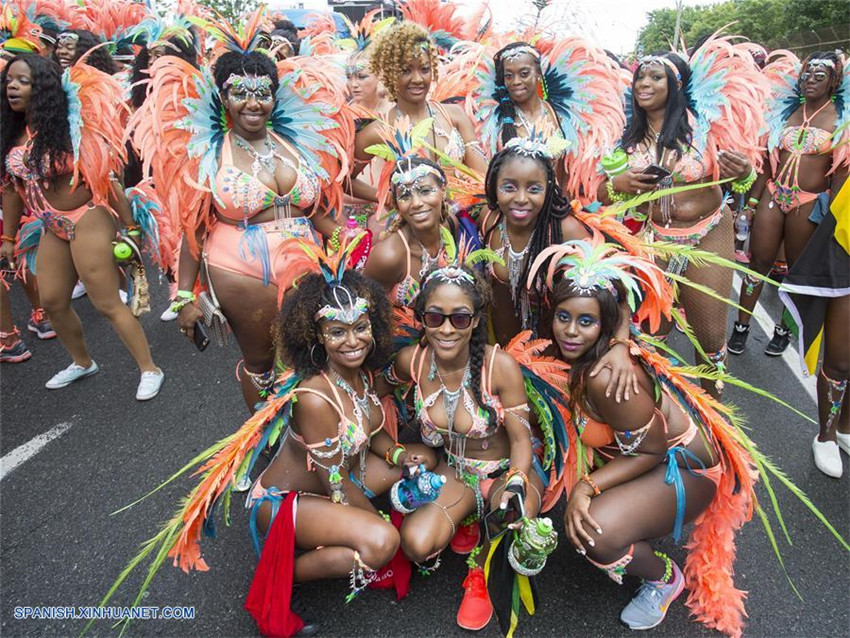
pixel 738 340
pixel 780 341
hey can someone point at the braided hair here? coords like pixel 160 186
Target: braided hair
pixel 547 229
pixel 481 295
pixel 676 134
pixel 506 108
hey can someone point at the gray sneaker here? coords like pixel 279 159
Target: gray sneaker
pixel 649 606
pixel 70 374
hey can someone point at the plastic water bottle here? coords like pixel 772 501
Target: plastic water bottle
pixel 532 545
pixel 419 488
pixel 742 227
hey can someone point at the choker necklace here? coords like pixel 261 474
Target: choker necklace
pixel 426 261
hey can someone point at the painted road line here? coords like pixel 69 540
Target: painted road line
pixel 25 452
pixel 790 356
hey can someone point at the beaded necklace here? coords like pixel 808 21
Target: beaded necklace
pixel 261 160
pixel 425 259
pixel 362 408
pixel 515 261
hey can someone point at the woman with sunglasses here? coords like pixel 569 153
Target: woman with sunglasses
pixel 471 405
pixel 676 136
pixel 808 152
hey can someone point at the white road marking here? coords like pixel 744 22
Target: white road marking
pixel 25 452
pixel 790 356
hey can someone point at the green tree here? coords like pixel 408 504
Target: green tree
pixel 230 9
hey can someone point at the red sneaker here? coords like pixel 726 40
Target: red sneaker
pixel 475 608
pixel 466 538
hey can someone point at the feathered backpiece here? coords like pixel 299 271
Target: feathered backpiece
pixel 727 93
pixel 363 31
pixel 242 37
pixel 841 136
pixel 156 31
pixel 401 140
pixel 584 88
pixel 96 116
pixel 17 32
pixel 444 26
pixel 55 14
pixel 782 72
pixel 593 265
pixel 112 20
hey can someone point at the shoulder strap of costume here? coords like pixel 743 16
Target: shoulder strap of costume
pixel 406 250
pixel 490 366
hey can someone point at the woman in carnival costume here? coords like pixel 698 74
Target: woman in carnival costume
pixel 247 157
pixel 334 331
pixel 406 61
pixel 573 91
pixel 368 97
pixel 817 293
pixel 61 149
pixel 692 122
pixel 808 118
pixel 481 424
pixel 641 469
pixel 72 44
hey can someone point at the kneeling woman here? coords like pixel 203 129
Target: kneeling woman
pixel 471 402
pixel 332 459
pixel 660 458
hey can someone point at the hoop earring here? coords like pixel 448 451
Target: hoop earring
pixel 374 345
pixel 313 356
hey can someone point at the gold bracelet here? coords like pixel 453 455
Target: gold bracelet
pixel 614 341
pixel 7 238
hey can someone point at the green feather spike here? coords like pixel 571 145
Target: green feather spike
pixel 449 244
pixel 485 255
pixel 381 150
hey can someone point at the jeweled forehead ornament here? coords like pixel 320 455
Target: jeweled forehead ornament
pixel 348 308
pixel 515 52
pixel 66 39
pixel 450 275
pixel 255 84
pixel 820 63
pixel 406 180
pixel 660 59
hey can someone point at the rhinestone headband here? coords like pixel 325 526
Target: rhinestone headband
pixel 248 82
pixel 68 38
pixel 515 52
pixel 450 275
pixel 348 309
pixel 658 59
pixel 407 179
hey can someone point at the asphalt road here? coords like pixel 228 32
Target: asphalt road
pixel 62 547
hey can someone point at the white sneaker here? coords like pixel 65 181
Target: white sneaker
pixel 827 457
pixel 70 374
pixel 79 290
pixel 843 442
pixel 149 385
pixel 123 294
pixel 168 315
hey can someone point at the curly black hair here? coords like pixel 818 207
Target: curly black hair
pixel 481 295
pixel 676 134
pixel 186 50
pixel 288 30
pixel 253 63
pixel 547 230
pixel 609 314
pixel 506 107
pixel 296 330
pixel 48 112
pixel 99 59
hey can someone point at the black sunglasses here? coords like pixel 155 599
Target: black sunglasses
pixel 459 320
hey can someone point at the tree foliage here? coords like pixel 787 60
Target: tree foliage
pixel 765 21
pixel 230 9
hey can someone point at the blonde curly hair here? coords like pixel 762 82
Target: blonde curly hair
pixel 395 47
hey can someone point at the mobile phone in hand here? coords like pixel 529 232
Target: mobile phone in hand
pixel 202 339
pixel 657 172
pixel 496 522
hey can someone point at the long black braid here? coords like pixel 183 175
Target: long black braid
pixel 481 296
pixel 547 229
pixel 506 109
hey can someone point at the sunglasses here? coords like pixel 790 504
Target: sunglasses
pixel 459 320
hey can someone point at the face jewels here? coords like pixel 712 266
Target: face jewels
pixel 407 180
pixel 242 88
pixel 338 335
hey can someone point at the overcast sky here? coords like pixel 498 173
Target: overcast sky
pixel 614 24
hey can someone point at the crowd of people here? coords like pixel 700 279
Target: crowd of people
pixel 449 258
